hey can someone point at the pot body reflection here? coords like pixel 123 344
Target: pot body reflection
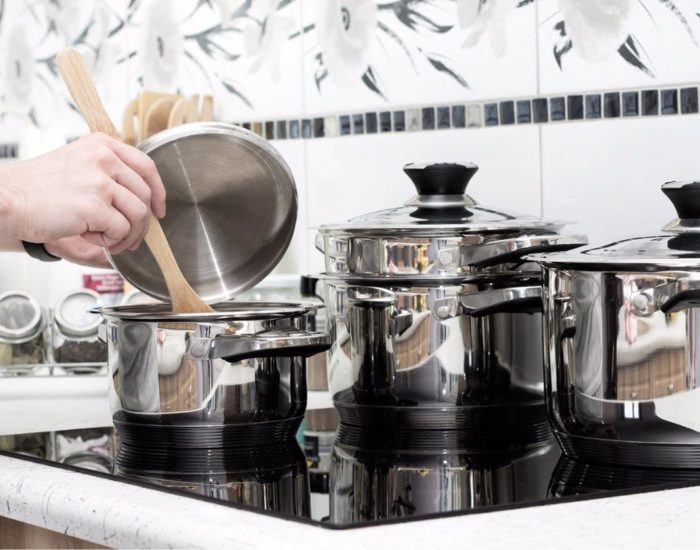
pixel 368 485
pixel 621 373
pixel 406 355
pixel 210 383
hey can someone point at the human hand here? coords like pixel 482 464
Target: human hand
pixel 97 189
pixel 79 251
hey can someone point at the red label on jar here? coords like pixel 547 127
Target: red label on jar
pixel 104 283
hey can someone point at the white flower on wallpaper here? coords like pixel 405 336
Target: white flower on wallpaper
pixel 18 67
pixel 345 30
pixel 65 17
pixel 228 10
pixel 486 19
pixel 264 39
pixel 597 30
pixel 162 48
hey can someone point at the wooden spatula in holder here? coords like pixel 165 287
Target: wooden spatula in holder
pixel 77 78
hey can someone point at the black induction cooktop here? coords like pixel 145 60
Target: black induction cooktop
pixel 339 476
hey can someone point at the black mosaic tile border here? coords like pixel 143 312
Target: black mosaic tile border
pixel 507 112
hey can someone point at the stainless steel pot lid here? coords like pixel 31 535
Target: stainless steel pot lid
pixel 231 210
pixel 441 207
pixel 73 314
pixel 21 317
pixel 225 311
pixel 439 233
pixel 677 246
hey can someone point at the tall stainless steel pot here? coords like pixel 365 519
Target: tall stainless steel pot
pixel 622 353
pixel 434 318
pixel 233 377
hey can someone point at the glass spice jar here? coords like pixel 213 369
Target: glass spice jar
pixel 75 341
pixel 22 325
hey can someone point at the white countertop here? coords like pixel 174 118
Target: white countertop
pixel 118 514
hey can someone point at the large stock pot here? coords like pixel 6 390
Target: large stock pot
pixel 233 377
pixel 623 358
pixel 434 318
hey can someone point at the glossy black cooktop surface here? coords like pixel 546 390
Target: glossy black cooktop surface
pixel 344 477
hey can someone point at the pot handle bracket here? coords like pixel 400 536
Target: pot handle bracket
pixel 681 294
pixel 524 299
pixel 275 343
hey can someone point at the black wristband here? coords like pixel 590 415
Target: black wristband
pixel 38 251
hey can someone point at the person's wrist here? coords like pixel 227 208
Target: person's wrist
pixel 10 238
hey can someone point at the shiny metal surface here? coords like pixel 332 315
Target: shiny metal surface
pixel 395 352
pixel 367 485
pixel 231 210
pixel 620 370
pixel 445 256
pixel 440 233
pixel 216 372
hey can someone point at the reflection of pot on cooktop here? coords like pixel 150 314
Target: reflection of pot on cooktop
pixel 271 477
pixel 368 485
pixel 572 477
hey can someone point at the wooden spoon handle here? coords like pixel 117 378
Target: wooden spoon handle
pixel 77 78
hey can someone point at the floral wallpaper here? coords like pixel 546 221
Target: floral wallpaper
pixel 292 57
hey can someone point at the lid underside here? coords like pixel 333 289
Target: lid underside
pixel 231 210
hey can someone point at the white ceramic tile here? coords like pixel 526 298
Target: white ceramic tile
pixel 412 47
pixel 607 175
pixel 349 176
pixel 295 259
pixel 666 33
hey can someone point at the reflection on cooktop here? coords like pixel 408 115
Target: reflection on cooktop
pixel 346 477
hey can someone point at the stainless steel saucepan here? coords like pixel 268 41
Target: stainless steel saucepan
pixel 229 378
pixel 622 329
pixel 434 316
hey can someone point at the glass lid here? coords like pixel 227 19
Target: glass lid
pixel 73 312
pixel 676 246
pixel 441 206
pixel 224 311
pixel 20 315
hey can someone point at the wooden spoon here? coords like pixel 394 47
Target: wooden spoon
pixel 77 78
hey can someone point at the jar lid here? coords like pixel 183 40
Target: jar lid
pixel 21 316
pixel 676 246
pixel 231 210
pixel 73 313
pixel 441 207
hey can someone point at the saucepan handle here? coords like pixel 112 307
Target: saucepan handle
pixel 274 343
pixel 680 294
pixel 524 299
pixel 515 249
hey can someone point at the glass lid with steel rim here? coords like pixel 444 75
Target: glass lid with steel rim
pixel 231 209
pixel 441 207
pixel 21 317
pixel 441 232
pixel 225 311
pixel 72 313
pixel 676 246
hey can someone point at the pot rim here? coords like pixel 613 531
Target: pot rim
pixel 223 311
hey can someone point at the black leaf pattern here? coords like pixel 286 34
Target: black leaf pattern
pixel 630 52
pixel 230 88
pixel 382 27
pixel 679 14
pixel 563 44
pixel 412 18
pixel 524 3
pixel 441 67
pixel 369 79
pixel 320 72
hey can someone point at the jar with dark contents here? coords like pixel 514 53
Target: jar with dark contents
pixel 76 346
pixel 22 324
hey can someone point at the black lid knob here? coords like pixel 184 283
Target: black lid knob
pixel 444 178
pixel 685 196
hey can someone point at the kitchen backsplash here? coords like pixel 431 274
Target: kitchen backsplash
pixel 573 109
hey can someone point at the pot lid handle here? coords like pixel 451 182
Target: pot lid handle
pixel 441 184
pixel 685 196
